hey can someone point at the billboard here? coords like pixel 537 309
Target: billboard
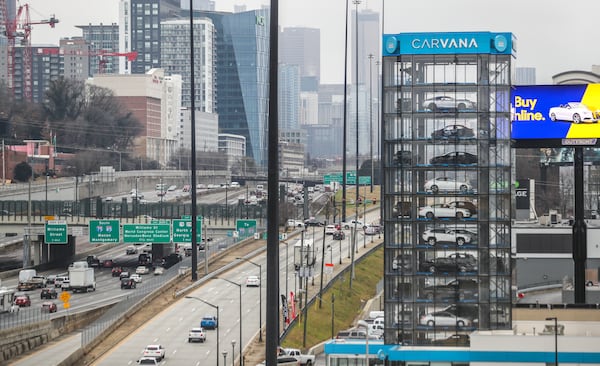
pixel 555 115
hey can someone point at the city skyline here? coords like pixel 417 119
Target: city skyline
pixel 541 44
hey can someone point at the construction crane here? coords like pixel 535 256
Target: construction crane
pixel 131 56
pixel 20 27
pixel 102 55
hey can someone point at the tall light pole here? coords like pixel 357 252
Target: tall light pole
pixel 259 296
pixel 355 2
pixel 241 315
pixel 371 116
pixel 217 308
pixel 555 338
pixel 344 134
pixel 233 352
pixel 380 175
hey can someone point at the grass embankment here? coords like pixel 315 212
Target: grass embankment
pixel 364 192
pixel 348 304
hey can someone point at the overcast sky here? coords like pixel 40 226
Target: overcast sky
pixel 553 35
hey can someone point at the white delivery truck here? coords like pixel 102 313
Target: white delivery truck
pixel 304 254
pixel 82 277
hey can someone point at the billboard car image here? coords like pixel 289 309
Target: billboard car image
pixel 544 115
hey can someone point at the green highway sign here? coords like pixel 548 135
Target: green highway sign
pixel 337 177
pixel 182 230
pixel 160 221
pixel 104 231
pixel 55 232
pixel 245 227
pixel 364 180
pixel 147 233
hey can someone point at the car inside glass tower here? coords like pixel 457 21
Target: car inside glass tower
pixel 446 138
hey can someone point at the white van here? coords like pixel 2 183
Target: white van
pixel 234 185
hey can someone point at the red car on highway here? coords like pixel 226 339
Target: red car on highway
pixel 22 301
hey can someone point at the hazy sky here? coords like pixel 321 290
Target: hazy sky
pixel 552 35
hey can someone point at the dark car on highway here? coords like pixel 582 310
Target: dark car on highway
pixel 312 222
pixel 48 293
pixel 339 235
pixel 171 260
pixel 458 289
pixel 127 283
pixel 455 262
pixel 451 132
pixel 455 157
pixel 116 271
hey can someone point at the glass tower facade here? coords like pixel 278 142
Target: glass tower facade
pixel 446 142
pixel 242 53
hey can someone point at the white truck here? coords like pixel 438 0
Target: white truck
pixel 27 280
pixel 307 360
pixel 82 277
pixel 304 254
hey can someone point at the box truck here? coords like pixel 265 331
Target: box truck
pixel 82 277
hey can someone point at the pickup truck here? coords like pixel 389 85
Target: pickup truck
pixel 350 224
pixel 307 360
pixel 209 322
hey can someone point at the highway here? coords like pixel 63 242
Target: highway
pixel 170 327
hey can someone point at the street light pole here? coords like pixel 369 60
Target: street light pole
pixel 241 314
pixel 217 308
pixel 233 352
pixel 371 116
pixel 344 133
pixel 259 296
pixel 225 358
pixel 555 338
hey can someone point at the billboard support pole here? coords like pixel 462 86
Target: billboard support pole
pixel 579 229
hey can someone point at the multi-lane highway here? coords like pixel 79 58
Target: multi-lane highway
pixel 170 328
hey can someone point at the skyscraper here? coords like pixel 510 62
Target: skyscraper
pixel 302 47
pixel 242 46
pixel 289 96
pixel 104 38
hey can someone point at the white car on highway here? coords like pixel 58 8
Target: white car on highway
pixel 445 184
pixel 136 277
pixel 142 270
pixel 573 111
pixel 443 210
pixel 154 350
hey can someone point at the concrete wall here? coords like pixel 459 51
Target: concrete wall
pixel 17 341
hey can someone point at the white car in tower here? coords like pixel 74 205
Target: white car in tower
pixel 443 210
pixel 435 235
pixel 445 184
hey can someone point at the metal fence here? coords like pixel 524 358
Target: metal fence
pixel 18 211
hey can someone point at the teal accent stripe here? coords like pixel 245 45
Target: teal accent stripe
pixel 397 353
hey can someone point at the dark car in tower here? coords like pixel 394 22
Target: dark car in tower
pixel 455 262
pixel 455 290
pixel 453 158
pixel 453 132
pixel 403 157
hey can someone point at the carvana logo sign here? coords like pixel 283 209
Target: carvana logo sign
pixel 447 43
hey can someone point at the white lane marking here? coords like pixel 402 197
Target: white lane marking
pixel 168 329
pixel 155 340
pixel 180 319
pixel 129 363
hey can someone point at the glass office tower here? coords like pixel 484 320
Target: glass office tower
pixel 447 192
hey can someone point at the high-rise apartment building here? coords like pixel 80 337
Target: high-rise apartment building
pixel 102 38
pixel 76 58
pixel 175 59
pixel 143 18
